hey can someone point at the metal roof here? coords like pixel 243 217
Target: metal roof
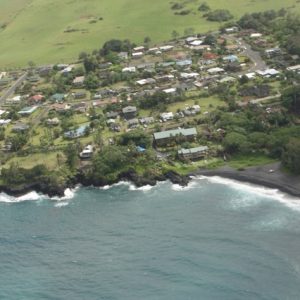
pixel 175 132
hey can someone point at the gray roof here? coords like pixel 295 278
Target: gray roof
pixel 129 109
pixel 174 132
pixel 193 150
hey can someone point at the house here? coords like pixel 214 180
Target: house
pixel 164 137
pixel 87 152
pixel 231 58
pixel 53 122
pixel 268 73
pixel 191 75
pixel 76 133
pixel 184 63
pixel 79 95
pixel 216 70
pixel 137 54
pixel 36 99
pixel 196 43
pixel 115 127
pixel 146 81
pixel 192 110
pixel 166 48
pixel 129 70
pixel 27 110
pixel 272 52
pixel 129 112
pixel 80 107
pixel 227 79
pixel 170 91
pixel 132 123
pixel 168 116
pixel 294 68
pixel 4 122
pixel 58 98
pixel 123 55
pixel 20 127
pixel 231 29
pixel 78 81
pixel 147 120
pixel 112 114
pixel 60 107
pixel 165 78
pixel 255 35
pixel 139 49
pixel 105 65
pixel 193 153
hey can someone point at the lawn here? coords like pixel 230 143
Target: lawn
pixel 35 29
pixel 48 159
pixel 245 161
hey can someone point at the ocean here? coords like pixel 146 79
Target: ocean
pixel 215 239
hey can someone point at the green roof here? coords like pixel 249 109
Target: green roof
pixel 169 133
pixel 193 150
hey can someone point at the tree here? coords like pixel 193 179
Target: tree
pixel 291 155
pixel 291 99
pixel 204 7
pixel 147 40
pixel 219 15
pixel 71 154
pixel 175 34
pixel 233 142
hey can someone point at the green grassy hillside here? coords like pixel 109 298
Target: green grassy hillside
pixel 35 29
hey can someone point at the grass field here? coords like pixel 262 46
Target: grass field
pixel 35 28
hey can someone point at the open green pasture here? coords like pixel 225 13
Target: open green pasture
pixel 35 30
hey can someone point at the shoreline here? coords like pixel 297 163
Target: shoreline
pixel 260 175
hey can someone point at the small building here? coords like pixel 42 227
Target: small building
pixel 76 133
pixel 231 58
pixel 132 123
pixel 78 81
pixel 129 112
pixel 147 120
pixel 112 114
pixel 60 107
pixel 164 137
pixel 191 75
pixel 58 98
pixel 36 99
pixel 166 48
pixel 146 81
pixel 52 122
pixel 216 70
pixel 87 152
pixel 170 91
pixel 20 127
pixel 294 68
pixel 268 73
pixel 167 116
pixel 80 107
pixel 129 70
pixel 193 153
pixel 137 54
pixel 272 52
pixel 231 29
pixel 27 110
pixel 139 49
pixel 255 35
pixel 184 63
pixel 79 95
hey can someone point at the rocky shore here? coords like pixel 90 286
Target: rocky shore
pixel 270 176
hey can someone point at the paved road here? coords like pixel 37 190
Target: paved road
pixel 258 62
pixel 10 91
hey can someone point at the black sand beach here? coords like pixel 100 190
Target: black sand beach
pixel 270 175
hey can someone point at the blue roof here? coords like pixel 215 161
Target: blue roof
pixel 140 149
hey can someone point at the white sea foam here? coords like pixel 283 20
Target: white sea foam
pixel 32 196
pixel 178 188
pixel 275 194
pixel 61 204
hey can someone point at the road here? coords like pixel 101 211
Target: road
pixel 258 62
pixel 256 101
pixel 10 91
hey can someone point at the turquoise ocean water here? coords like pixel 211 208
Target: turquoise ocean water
pixel 215 239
